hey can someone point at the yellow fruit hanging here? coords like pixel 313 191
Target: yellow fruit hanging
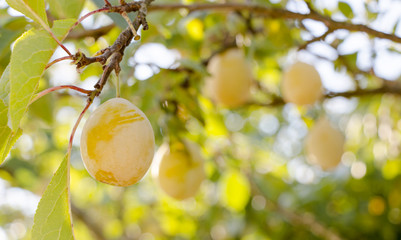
pixel 230 80
pixel 117 143
pixel 180 172
pixel 301 84
pixel 324 145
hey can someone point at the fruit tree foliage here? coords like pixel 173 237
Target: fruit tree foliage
pixel 257 181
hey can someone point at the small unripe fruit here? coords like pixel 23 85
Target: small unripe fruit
pixel 230 80
pixel 180 172
pixel 301 84
pixel 324 145
pixel 117 143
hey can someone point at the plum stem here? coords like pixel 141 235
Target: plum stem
pixel 118 85
pixel 74 129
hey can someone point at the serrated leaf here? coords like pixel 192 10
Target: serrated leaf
pixel 34 9
pixel 30 55
pixel 7 137
pixel 66 8
pixel 345 9
pixel 52 219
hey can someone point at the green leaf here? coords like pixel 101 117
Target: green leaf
pixel 31 53
pixel 10 29
pixel 7 141
pixel 7 137
pixel 5 85
pixel 52 219
pixel 5 131
pixel 65 8
pixel 34 9
pixel 345 9
pixel 7 37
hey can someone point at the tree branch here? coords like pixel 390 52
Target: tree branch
pixel 316 39
pixel 95 33
pixel 263 11
pixel 388 87
pixel 114 52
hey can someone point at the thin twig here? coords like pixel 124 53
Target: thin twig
pixel 123 40
pixel 126 18
pixel 58 60
pixel 113 65
pixel 95 33
pixel 129 7
pixel 115 52
pixel 316 39
pixel 60 44
pixel 47 28
pixel 350 94
pixel 389 87
pixel 104 9
pixel 107 3
pixel 52 89
pixel 74 129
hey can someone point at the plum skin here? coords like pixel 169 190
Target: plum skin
pixel 301 84
pixel 231 78
pixel 324 145
pixel 117 143
pixel 180 172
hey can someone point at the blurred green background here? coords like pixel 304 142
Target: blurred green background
pixel 258 183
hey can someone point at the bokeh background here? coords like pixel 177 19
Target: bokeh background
pixel 258 183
